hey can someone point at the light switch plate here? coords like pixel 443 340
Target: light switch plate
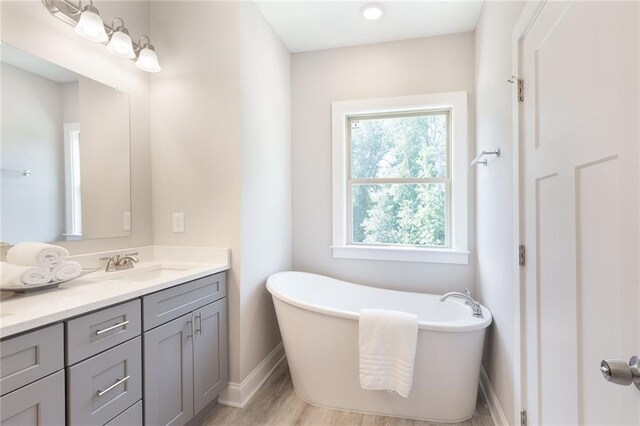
pixel 178 222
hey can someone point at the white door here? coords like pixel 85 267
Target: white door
pixel 580 146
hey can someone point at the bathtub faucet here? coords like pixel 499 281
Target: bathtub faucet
pixel 475 306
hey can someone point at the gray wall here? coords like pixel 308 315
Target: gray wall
pixel 220 113
pixel 412 67
pixel 265 137
pixel 195 116
pixel 495 241
pixel 70 102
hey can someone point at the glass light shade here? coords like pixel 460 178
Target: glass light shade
pixel 90 25
pixel 148 60
pixel 120 45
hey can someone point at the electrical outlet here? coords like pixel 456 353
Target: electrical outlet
pixel 126 221
pixel 178 222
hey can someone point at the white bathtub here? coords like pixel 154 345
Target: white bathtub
pixel 318 319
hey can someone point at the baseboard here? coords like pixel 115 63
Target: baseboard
pixel 499 419
pixel 239 394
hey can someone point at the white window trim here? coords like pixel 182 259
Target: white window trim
pixel 458 252
pixel 73 215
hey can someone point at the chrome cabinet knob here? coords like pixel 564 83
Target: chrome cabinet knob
pixel 620 372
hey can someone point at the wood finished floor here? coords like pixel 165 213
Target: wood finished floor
pixel 277 404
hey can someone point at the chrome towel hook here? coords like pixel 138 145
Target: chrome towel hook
pixel 482 157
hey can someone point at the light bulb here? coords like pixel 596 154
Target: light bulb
pixel 372 11
pixel 121 45
pixel 90 25
pixel 148 60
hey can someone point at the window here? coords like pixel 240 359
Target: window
pixel 400 180
pixel 73 189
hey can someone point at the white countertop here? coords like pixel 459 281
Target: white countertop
pixel 23 312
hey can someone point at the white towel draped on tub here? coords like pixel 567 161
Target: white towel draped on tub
pixel 388 342
pixel 24 275
pixel 36 254
pixel 66 270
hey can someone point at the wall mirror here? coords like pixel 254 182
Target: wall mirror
pixel 65 154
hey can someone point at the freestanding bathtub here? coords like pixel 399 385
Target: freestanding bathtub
pixel 318 319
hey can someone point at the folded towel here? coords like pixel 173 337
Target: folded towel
pixel 36 254
pixel 23 275
pixel 388 343
pixel 66 270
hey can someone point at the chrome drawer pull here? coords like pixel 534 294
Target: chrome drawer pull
pixel 121 324
pixel 191 326
pixel 199 316
pixel 119 382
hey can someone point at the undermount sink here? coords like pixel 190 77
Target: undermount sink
pixel 139 274
pixel 147 275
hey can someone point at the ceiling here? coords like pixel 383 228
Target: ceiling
pixel 314 25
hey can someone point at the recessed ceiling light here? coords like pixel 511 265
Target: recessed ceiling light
pixel 372 11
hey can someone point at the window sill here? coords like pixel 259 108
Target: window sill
pixel 402 254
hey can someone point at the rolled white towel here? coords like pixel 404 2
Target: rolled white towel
pixel 24 275
pixel 37 254
pixel 66 270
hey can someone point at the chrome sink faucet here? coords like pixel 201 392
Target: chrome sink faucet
pixel 475 306
pixel 119 263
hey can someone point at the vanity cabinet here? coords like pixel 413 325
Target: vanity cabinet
pixel 104 386
pixel 39 404
pixel 209 353
pixel 93 333
pixel 132 416
pixel 29 357
pixel 32 380
pixel 186 358
pixel 168 375
pixel 158 359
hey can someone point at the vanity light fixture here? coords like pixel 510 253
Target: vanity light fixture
pixel 88 24
pixel 372 11
pixel 147 58
pixel 120 43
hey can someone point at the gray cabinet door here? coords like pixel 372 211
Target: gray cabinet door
pixel 39 404
pixel 168 373
pixel 209 353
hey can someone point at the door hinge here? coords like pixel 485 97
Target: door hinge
pixel 522 255
pixel 520 83
pixel 523 417
pixel 520 90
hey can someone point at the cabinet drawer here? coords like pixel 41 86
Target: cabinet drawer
pixel 174 302
pixel 38 404
pixel 27 358
pixel 101 330
pixel 104 386
pixel 131 417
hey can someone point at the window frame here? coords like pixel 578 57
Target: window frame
pixel 456 251
pixel 350 181
pixel 73 192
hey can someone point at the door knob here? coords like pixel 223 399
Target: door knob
pixel 620 372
